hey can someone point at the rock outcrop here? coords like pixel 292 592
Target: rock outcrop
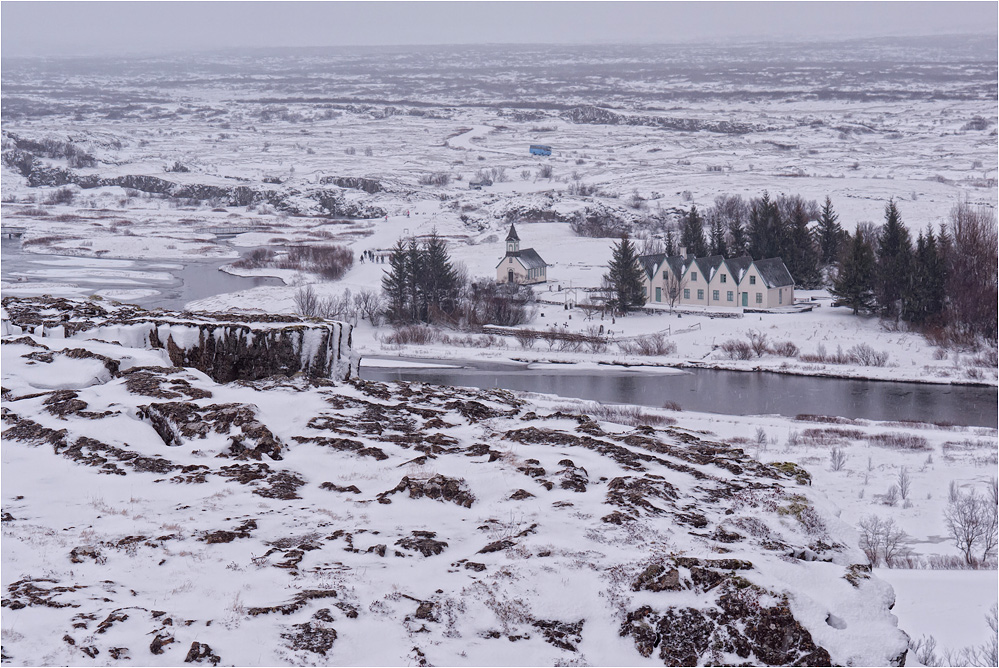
pixel 226 347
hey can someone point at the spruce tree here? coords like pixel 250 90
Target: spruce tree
pixel 416 280
pixel 800 253
pixel 625 277
pixel 737 234
pixel 830 234
pixel 440 278
pixel 396 286
pixel 894 266
pixel 718 245
pixel 670 242
pixel 692 235
pixel 854 285
pixel 764 228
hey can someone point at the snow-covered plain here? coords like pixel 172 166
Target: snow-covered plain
pixel 676 126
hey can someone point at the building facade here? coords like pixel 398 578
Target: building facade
pixel 716 281
pixel 520 265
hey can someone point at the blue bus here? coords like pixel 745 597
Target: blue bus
pixel 540 149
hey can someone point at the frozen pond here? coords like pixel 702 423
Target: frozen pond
pixel 168 284
pixel 728 392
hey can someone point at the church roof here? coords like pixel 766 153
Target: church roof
pixel 513 234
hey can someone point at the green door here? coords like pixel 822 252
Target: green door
pixel 745 299
pixel 659 294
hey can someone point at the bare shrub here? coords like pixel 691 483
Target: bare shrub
pixel 758 342
pixel 307 302
pixel 865 355
pixel 650 345
pixel 330 262
pixel 904 481
pixel 737 350
pixel 967 518
pixel 672 406
pixel 882 541
pixel 370 305
pixel 890 497
pixel 785 349
pixel 899 441
pixel 439 179
pixel 545 172
pixel 413 335
pixel 258 257
pixel 526 338
pixel 837 459
pixel 61 196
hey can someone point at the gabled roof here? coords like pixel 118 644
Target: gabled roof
pixel 739 266
pixel 530 259
pixel 774 273
pixel 649 263
pixel 708 265
pixel 512 236
pixel 677 264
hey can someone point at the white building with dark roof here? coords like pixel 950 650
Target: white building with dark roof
pixel 739 282
pixel 520 265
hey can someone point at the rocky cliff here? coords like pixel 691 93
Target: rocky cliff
pixel 225 347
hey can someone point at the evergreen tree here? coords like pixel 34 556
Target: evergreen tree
pixel 764 228
pixel 416 280
pixel 800 254
pixel 692 234
pixel 894 266
pixel 923 301
pixel 738 243
pixel 854 285
pixel 625 277
pixel 718 245
pixel 670 242
pixel 439 278
pixel 395 284
pixel 830 234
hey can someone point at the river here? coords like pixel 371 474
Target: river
pixel 715 391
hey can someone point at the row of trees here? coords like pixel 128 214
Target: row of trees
pixel 422 284
pixel 948 279
pixel 762 227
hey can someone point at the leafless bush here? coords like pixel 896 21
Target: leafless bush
pixel 785 349
pixel 837 459
pixel 672 406
pixel 413 335
pixel 899 441
pixel 820 356
pixel 330 262
pixel 737 350
pixel 439 179
pixel 758 342
pixel 473 341
pixel 41 241
pixel 258 257
pixel 904 483
pixel 545 172
pixel 177 167
pixel 307 302
pixel 882 541
pixel 864 355
pixel 650 345
pixel 370 305
pixel 890 497
pixel 526 338
pixel 61 196
pixel 967 521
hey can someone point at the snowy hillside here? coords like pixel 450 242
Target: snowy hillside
pixel 155 516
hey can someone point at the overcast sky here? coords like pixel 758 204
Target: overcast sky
pixel 41 28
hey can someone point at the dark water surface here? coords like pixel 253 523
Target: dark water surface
pixel 727 392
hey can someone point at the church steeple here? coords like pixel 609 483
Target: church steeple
pixel 512 241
